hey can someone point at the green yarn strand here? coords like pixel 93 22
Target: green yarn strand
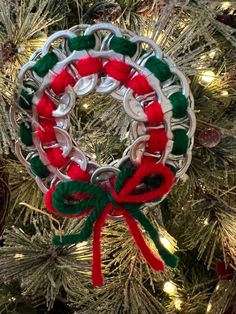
pixel 87 228
pixel 25 100
pixel 67 188
pixel 179 104
pixel 84 42
pixel 181 142
pixel 26 134
pixel 125 173
pixel 123 46
pixel 38 168
pixel 170 259
pixel 159 68
pixel 47 62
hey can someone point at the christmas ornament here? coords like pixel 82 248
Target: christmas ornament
pixel 223 271
pixel 156 97
pixel 209 137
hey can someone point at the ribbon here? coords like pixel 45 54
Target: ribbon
pixel 101 201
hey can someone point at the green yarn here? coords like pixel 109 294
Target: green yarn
pixel 170 259
pixel 181 142
pixel 173 169
pixel 159 68
pixel 84 42
pixel 38 168
pixel 122 177
pixel 26 134
pixel 86 230
pixel 123 46
pixel 47 62
pixel 70 187
pixel 179 104
pixel 25 100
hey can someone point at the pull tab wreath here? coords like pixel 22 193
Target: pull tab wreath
pixel 156 97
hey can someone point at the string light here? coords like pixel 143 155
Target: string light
pixel 170 288
pixel 212 54
pixel 178 303
pixel 12 299
pixel 207 77
pixel 224 93
pixel 167 244
pixel 19 256
pixel 225 5
pixel 85 106
pixel 209 307
pixel 206 222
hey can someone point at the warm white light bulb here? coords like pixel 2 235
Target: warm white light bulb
pixel 170 288
pixel 209 307
pixel 212 54
pixel 178 303
pixel 206 222
pixel 224 93
pixel 225 5
pixel 166 243
pixel 19 256
pixel 207 77
pixel 85 106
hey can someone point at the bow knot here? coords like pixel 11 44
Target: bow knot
pixel 101 202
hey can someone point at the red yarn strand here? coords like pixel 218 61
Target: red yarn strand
pixel 155 262
pixel 97 278
pixel 88 66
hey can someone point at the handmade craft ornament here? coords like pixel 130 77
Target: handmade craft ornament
pixel 156 97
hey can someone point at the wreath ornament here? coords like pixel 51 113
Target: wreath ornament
pixel 157 99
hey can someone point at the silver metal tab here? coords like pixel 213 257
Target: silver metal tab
pixel 86 85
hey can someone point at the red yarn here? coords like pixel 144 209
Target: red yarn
pixel 97 278
pixel 139 85
pixel 45 106
pixel 48 135
pixel 75 172
pixel 144 170
pixel 61 81
pixel 118 70
pixel 158 140
pixel 155 262
pixel 56 157
pixel 48 200
pixel 88 66
pixel 154 113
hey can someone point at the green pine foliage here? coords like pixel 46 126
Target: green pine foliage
pixel 198 217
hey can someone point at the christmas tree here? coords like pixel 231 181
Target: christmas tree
pixel 196 221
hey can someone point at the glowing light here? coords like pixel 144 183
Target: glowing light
pixel 217 287
pixel 224 93
pixel 209 307
pixel 207 77
pixel 177 304
pixel 170 288
pixel 94 156
pixel 19 256
pixel 206 222
pixel 225 5
pixel 85 106
pixel 203 57
pixel 212 54
pixel 167 244
pixel 12 299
